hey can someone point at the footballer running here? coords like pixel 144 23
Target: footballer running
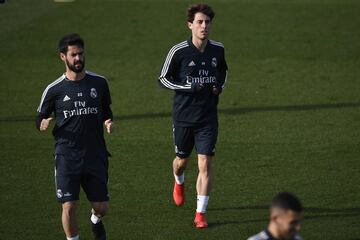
pixel 196 71
pixel 80 101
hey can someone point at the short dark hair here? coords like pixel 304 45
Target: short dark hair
pixel 72 39
pixel 287 201
pixel 201 7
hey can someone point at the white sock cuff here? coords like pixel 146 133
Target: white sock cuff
pixel 179 179
pixel 202 202
pixel 95 219
pixel 73 238
pixel 203 198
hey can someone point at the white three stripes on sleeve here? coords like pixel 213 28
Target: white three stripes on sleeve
pixel 165 68
pixel 47 89
pixel 219 44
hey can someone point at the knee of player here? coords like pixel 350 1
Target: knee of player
pixel 100 209
pixel 180 162
pixel 204 163
pixel 69 208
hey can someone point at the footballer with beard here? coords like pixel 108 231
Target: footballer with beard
pixel 79 102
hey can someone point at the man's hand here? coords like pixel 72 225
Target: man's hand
pixel 109 126
pixel 198 87
pixel 45 123
pixel 216 89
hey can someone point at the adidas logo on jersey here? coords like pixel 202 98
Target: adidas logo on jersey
pixel 191 64
pixel 66 98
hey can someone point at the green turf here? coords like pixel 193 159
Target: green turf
pixel 289 116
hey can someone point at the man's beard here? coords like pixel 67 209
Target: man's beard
pixel 73 67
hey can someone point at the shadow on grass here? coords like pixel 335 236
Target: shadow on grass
pixel 239 221
pixel 226 111
pixel 244 110
pixel 221 223
pixel 309 214
pixel 315 213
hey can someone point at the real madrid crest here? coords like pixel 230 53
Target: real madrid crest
pixel 213 62
pixel 59 193
pixel 93 93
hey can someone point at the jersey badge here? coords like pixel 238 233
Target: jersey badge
pixel 93 93
pixel 213 62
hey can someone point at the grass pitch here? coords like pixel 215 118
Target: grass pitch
pixel 289 117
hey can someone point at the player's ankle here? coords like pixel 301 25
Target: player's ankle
pixel 201 203
pixel 73 238
pixel 95 219
pixel 179 179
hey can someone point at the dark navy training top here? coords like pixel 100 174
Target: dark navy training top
pixel 185 67
pixel 80 109
pixel 266 235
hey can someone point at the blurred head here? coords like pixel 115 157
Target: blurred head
pixel 199 17
pixel 71 49
pixel 285 216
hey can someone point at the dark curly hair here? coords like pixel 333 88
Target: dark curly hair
pixel 72 39
pixel 201 7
